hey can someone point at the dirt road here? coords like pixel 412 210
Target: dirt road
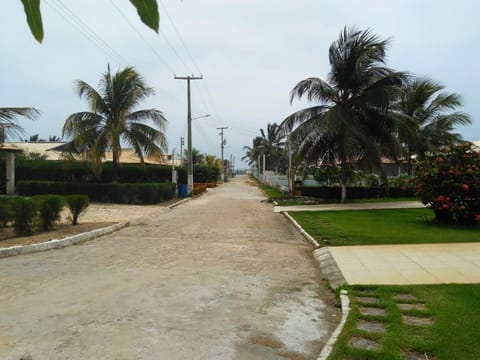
pixel 219 277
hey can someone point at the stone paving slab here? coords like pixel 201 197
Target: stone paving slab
pixel 356 206
pixel 409 264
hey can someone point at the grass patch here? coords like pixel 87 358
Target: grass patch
pixel 268 190
pixel 453 334
pixel 373 227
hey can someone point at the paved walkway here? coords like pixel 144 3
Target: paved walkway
pixel 219 277
pixel 409 264
pixel 356 206
pixel 399 264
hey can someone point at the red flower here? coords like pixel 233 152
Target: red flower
pixel 445 206
pixel 465 187
pixel 477 218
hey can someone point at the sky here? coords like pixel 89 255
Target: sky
pixel 250 54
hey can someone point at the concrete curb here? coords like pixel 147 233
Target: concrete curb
pixel 327 349
pixel 175 204
pixel 61 243
pixel 305 234
pixel 329 267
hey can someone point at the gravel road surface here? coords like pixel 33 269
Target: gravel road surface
pixel 218 277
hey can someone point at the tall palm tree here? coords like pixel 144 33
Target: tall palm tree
pixel 253 152
pixel 272 144
pixel 432 117
pixel 353 120
pixel 112 119
pixel 8 117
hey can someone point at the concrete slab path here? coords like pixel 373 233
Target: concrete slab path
pixel 354 206
pixel 219 277
pixel 409 264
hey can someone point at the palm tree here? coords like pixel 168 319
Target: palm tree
pixel 8 116
pixel 253 152
pixel 353 121
pixel 272 144
pixel 111 119
pixel 431 115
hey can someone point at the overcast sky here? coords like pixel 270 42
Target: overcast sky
pixel 250 53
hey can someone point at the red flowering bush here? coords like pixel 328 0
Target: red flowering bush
pixel 449 182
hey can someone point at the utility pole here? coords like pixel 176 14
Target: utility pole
pixel 189 134
pixel 182 142
pixel 222 145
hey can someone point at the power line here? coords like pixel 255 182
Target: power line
pixel 85 30
pixel 179 36
pixel 155 52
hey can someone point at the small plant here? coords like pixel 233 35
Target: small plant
pixel 25 215
pixel 77 204
pixel 449 182
pixel 50 208
pixel 6 212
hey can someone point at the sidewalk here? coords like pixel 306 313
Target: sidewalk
pixel 409 264
pixel 356 206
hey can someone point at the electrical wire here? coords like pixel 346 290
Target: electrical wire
pixel 85 30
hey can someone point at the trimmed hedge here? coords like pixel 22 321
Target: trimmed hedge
pixel 201 174
pixel 78 171
pixel 328 193
pixel 144 193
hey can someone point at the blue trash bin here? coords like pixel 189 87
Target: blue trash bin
pixel 183 190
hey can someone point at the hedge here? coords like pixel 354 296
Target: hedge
pixel 79 171
pixel 144 193
pixel 326 192
pixel 201 174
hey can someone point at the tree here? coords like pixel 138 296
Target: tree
pixel 272 144
pixel 8 123
pixel 147 11
pixel 253 152
pixel 112 119
pixel 197 157
pixel 353 121
pixel 431 118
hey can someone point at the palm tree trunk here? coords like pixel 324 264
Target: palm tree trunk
pixel 114 166
pixel 343 181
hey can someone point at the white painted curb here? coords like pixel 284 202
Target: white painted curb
pixel 179 202
pixel 331 342
pixel 307 236
pixel 61 243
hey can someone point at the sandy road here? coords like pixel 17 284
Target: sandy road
pixel 219 277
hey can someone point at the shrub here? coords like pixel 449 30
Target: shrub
pixel 138 193
pixel 49 210
pixel 77 204
pixel 6 212
pixel 449 182
pixel 25 215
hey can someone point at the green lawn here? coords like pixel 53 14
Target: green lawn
pixel 453 335
pixel 312 201
pixel 372 227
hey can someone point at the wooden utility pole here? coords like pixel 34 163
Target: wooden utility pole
pixel 222 145
pixel 189 133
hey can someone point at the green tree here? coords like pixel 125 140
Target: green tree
pixel 8 120
pixel 353 121
pixel 253 152
pixel 112 119
pixel 272 144
pixel 430 118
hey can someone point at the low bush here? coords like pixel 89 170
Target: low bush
pixel 49 210
pixel 77 204
pixel 25 215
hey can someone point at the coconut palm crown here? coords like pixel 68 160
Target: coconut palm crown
pixel 112 120
pixel 352 121
pixel 8 120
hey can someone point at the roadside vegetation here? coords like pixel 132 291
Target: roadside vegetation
pixel 448 327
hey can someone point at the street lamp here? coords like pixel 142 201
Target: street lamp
pixel 203 116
